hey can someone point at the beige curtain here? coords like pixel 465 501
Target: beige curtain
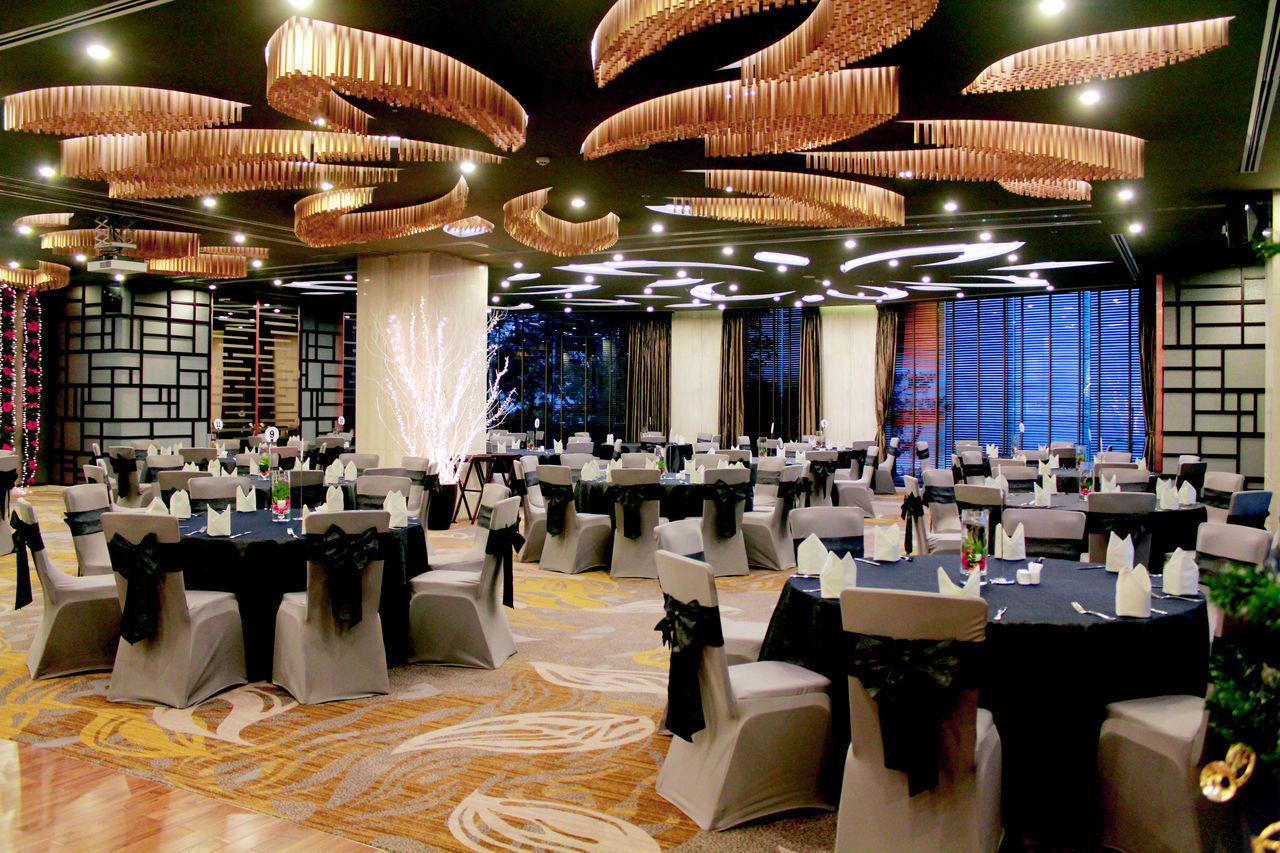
pixel 810 371
pixel 886 354
pixel 648 376
pixel 732 405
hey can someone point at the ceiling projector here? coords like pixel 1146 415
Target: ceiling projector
pixel 110 260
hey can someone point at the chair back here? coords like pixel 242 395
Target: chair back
pixel 247 463
pixel 85 497
pixel 362 460
pixel 635 460
pixel 1249 509
pixel 829 523
pixel 682 537
pixel 1065 451
pixel 385 472
pixel 635 476
pixel 216 492
pixel 506 512
pixel 574 461
pixel 372 489
pixel 704 447
pixel 1022 478
pixel 160 462
pixel 1054 533
pixel 1193 473
pixel 710 460
pixel 726 555
pixel 736 455
pixel 938 477
pixel 687 581
pixel 319 602
pixel 416 465
pixel 1120 503
pixel 580 445
pixel 979 497
pixel 199 455
pixel 1112 457
pixel 1034 456
pixel 743 443
pixel 52 581
pixel 1218 543
pixel 526 468
pixel 133 527
pixel 306 488
pixel 170 481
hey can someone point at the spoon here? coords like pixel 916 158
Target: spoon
pixel 1000 613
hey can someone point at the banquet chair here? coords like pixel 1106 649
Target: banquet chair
pixel 226 446
pixel 1135 504
pixel 1187 458
pixel 472 559
pixel 574 462
pixel 1219 544
pixel 922 452
pixel 767 725
pixel 217 493
pixel 1106 469
pixel 1054 533
pixel 886 470
pixel 743 443
pixel 637 460
pixel 96 474
pixel 868 466
pixel 768 473
pixel 877 811
pixel 533 509
pixel 704 447
pixel 1249 509
pixel 127 467
pixel 457 617
pixel 1193 473
pixel 168 482
pixel 1065 451
pixel 162 462
pixel 362 460
pixel 247 463
pixel 727 555
pixel 1112 457
pixel 766 532
pixel 306 488
pixel 736 455
pixel 770 446
pixel 581 434
pixel 791 449
pixel 385 472
pixel 1022 479
pixel 943 535
pixel 318 658
pixel 583 541
pixel 143 444
pixel 683 537
pixel 199 455
pixel 79 618
pixel 972 467
pixel 1033 456
pixel 198 647
pixel 1129 480
pixel 839 528
pixel 963 444
pixel 284 458
pixel 633 558
pixel 822 469
pixel 705 436
pixel 85 505
pixel 710 460
pixel 328 448
pixel 1219 487
pixel 417 468
pixel 580 445
pixel 372 489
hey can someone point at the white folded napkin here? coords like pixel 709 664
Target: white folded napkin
pixel 304 465
pixel 887 543
pixel 333 473
pixel 1041 495
pixel 608 474
pixel 1119 553
pixel 1109 484
pixel 992 450
pixel 699 476
pixel 838 574
pixel 722 463
pixel 502 447
pixel 333 499
pixel 557 446
pixel 1166 494
pixel 398 505
pixel 214 468
pixel 1011 547
pixel 246 502
pixel 998 482
pixel 190 466
pixel 152 450
pixel 350 472
pixel 651 464
pixel 947 586
pixel 1142 464
pixel 1020 457
pixel 1133 592
pixel 1043 448
pixel 800 460
pixel 1054 462
pixel 306 511
pixel 1043 469
pixel 1050 484
pixel 217 523
pixel 811 556
pixel 1187 495
pixel 157 507
pixel 180 504
pixel 591 470
pixel 1181 574
pixel 608 439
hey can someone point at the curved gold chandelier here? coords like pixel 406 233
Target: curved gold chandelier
pixel 114 109
pixel 45 276
pixel 1063 188
pixel 325 219
pixel 151 245
pixel 797 199
pixel 259 252
pixel 43 221
pixel 245 177
pixel 527 222
pixel 309 62
pixel 763 117
pixel 472 226
pixel 201 266
pixel 950 164
pixel 1042 151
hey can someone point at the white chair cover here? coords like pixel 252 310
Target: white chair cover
pixel 633 558
pixel 533 510
pixel 584 542
pixel 362 460
pixel 727 556
pixel 472 559
pixel 91 548
pixel 766 532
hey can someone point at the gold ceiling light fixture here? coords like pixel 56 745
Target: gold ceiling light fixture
pixel 1062 188
pixel 472 226
pixel 201 266
pixel 797 199
pixel 763 117
pixel 527 222
pixel 151 245
pixel 245 177
pixel 1042 151
pixel 259 252
pixel 309 62
pixel 114 109
pixel 838 33
pixel 325 219
pixel 1101 56
pixel 951 164
pixel 45 276
pixel 43 221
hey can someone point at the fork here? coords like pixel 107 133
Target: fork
pixel 1000 613
pixel 1080 608
pixel 1177 597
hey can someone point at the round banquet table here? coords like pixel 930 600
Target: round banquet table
pixel 266 562
pixel 1047 674
pixel 680 498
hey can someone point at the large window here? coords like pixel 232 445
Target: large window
pixel 567 370
pixel 1022 371
pixel 771 374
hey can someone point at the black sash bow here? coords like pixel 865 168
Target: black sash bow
pixel 503 543
pixel 687 629
pixel 789 493
pixel 939 494
pixel 417 478
pixel 725 496
pixel 632 499
pixel 141 565
pixel 124 466
pixel 922 453
pixel 1215 498
pixel 85 521
pixel 483 516
pixel 25 536
pixel 913 512
pixel 821 473
pixel 557 498
pixel 344 558
pixel 8 479
pixel 915 684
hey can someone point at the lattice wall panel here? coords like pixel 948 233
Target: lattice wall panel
pixel 320 378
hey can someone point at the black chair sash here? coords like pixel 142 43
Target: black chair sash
pixel 632 498
pixel 124 466
pixel 344 557
pixel 688 628
pixel 789 494
pixel 558 498
pixel 370 501
pixel 85 521
pixel 483 516
pixel 1022 487
pixel 922 453
pixel 286 463
pixel 1215 498
pixel 141 565
pixel 939 494
pixel 199 505
pixel 768 477
pixel 725 496
pixel 975 469
pixel 8 479
pixel 417 478
pixel 915 685
pixel 913 512
pixel 1121 523
pixel 841 545
pixel 25 536
pixel 1251 510
pixel 503 543
pixel 311 494
pixel 821 473
pixel 1055 549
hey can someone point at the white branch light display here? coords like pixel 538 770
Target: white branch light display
pixel 427 403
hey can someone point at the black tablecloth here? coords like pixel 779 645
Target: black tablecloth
pixel 263 565
pixel 679 499
pixel 1048 672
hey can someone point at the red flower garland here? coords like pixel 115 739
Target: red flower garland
pixel 8 355
pixel 34 379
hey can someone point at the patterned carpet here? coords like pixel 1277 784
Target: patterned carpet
pixel 556 750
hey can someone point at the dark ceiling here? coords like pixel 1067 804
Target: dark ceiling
pixel 1193 116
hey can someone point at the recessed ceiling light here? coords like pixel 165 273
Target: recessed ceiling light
pixel 119 276
pixel 926 278
pixel 504 283
pixel 319 122
pixel 648 309
pixel 467 166
pixel 568 309
pixel 1033 274
pixel 1135 227
pixel 518 265
pixel 648 291
pixel 862 294
pixel 80 259
pixel 1125 194
pixel 1048 287
pixel 1052 7
pixel 1089 97
pixel 1013 259
pixel 213 287
pixel 733 288
pixel 256 263
pixel 797 304
pixel 985 236
pixel 578 202
pixel 47 172
pixel 959 294
pixel 493 299
pixel 729 188
pixel 697 301
pixel 720 307
pixel 950 207
pixel 656 228
pixel 209 201
pixel 826 282
pixel 13 265
pixel 588 279
pixel 325 187
pixel 98 51
pixel 617 257
pixel 727 250
pixel 851 244
pixel 24 230
pixel 777 299
pixel 1266 232
pixel 239 238
pixel 681 274
pixel 299 4
pixel 348 277
pixel 893 262
pixel 906 174
pixel 782 267
pixel 277 282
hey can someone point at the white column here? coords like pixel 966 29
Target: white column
pixel 695 374
pixel 1272 425
pixel 849 373
pixel 453 288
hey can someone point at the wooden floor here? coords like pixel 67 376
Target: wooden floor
pixel 52 803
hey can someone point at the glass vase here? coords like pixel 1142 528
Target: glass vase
pixel 973 541
pixel 279 496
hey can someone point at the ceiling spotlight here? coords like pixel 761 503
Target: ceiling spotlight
pixel 504 283
pixel 733 288
pixel 256 263
pixel 782 267
pixel 950 207
pixel 24 230
pixel 47 172
pixel 494 300
pixel 319 122
pixel 568 309
pixel 1089 97
pixel 325 187
pixel 518 265
pixel 213 287
pixel 681 274
pixel 1125 194
pixel 906 174
pixel 850 244
pixel 13 265
pixel 656 228
pixel 617 257
pixel 727 250
pixel 777 299
pixel 348 277
pixel 720 307
pixel 729 188
pixel 119 276
pixel 98 51
pixel 697 301
pixel 1135 227
pixel 588 279
pixel 862 294
pixel 239 238
pixel 1033 274
pixel 959 294
pixel 299 4
pixel 467 166
pixel 985 236
pixel 80 259
pixel 578 202
pixel 1052 7
pixel 277 282
pixel 648 309
pixel 826 282
pixel 893 262
pixel 648 291
pixel 926 278
pixel 1013 259
pixel 1266 232
pixel 275 310
pixel 209 202
pixel 797 304
pixel 1048 287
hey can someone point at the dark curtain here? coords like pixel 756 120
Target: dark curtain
pixel 648 376
pixel 1147 360
pixel 732 406
pixel 886 357
pixel 810 371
